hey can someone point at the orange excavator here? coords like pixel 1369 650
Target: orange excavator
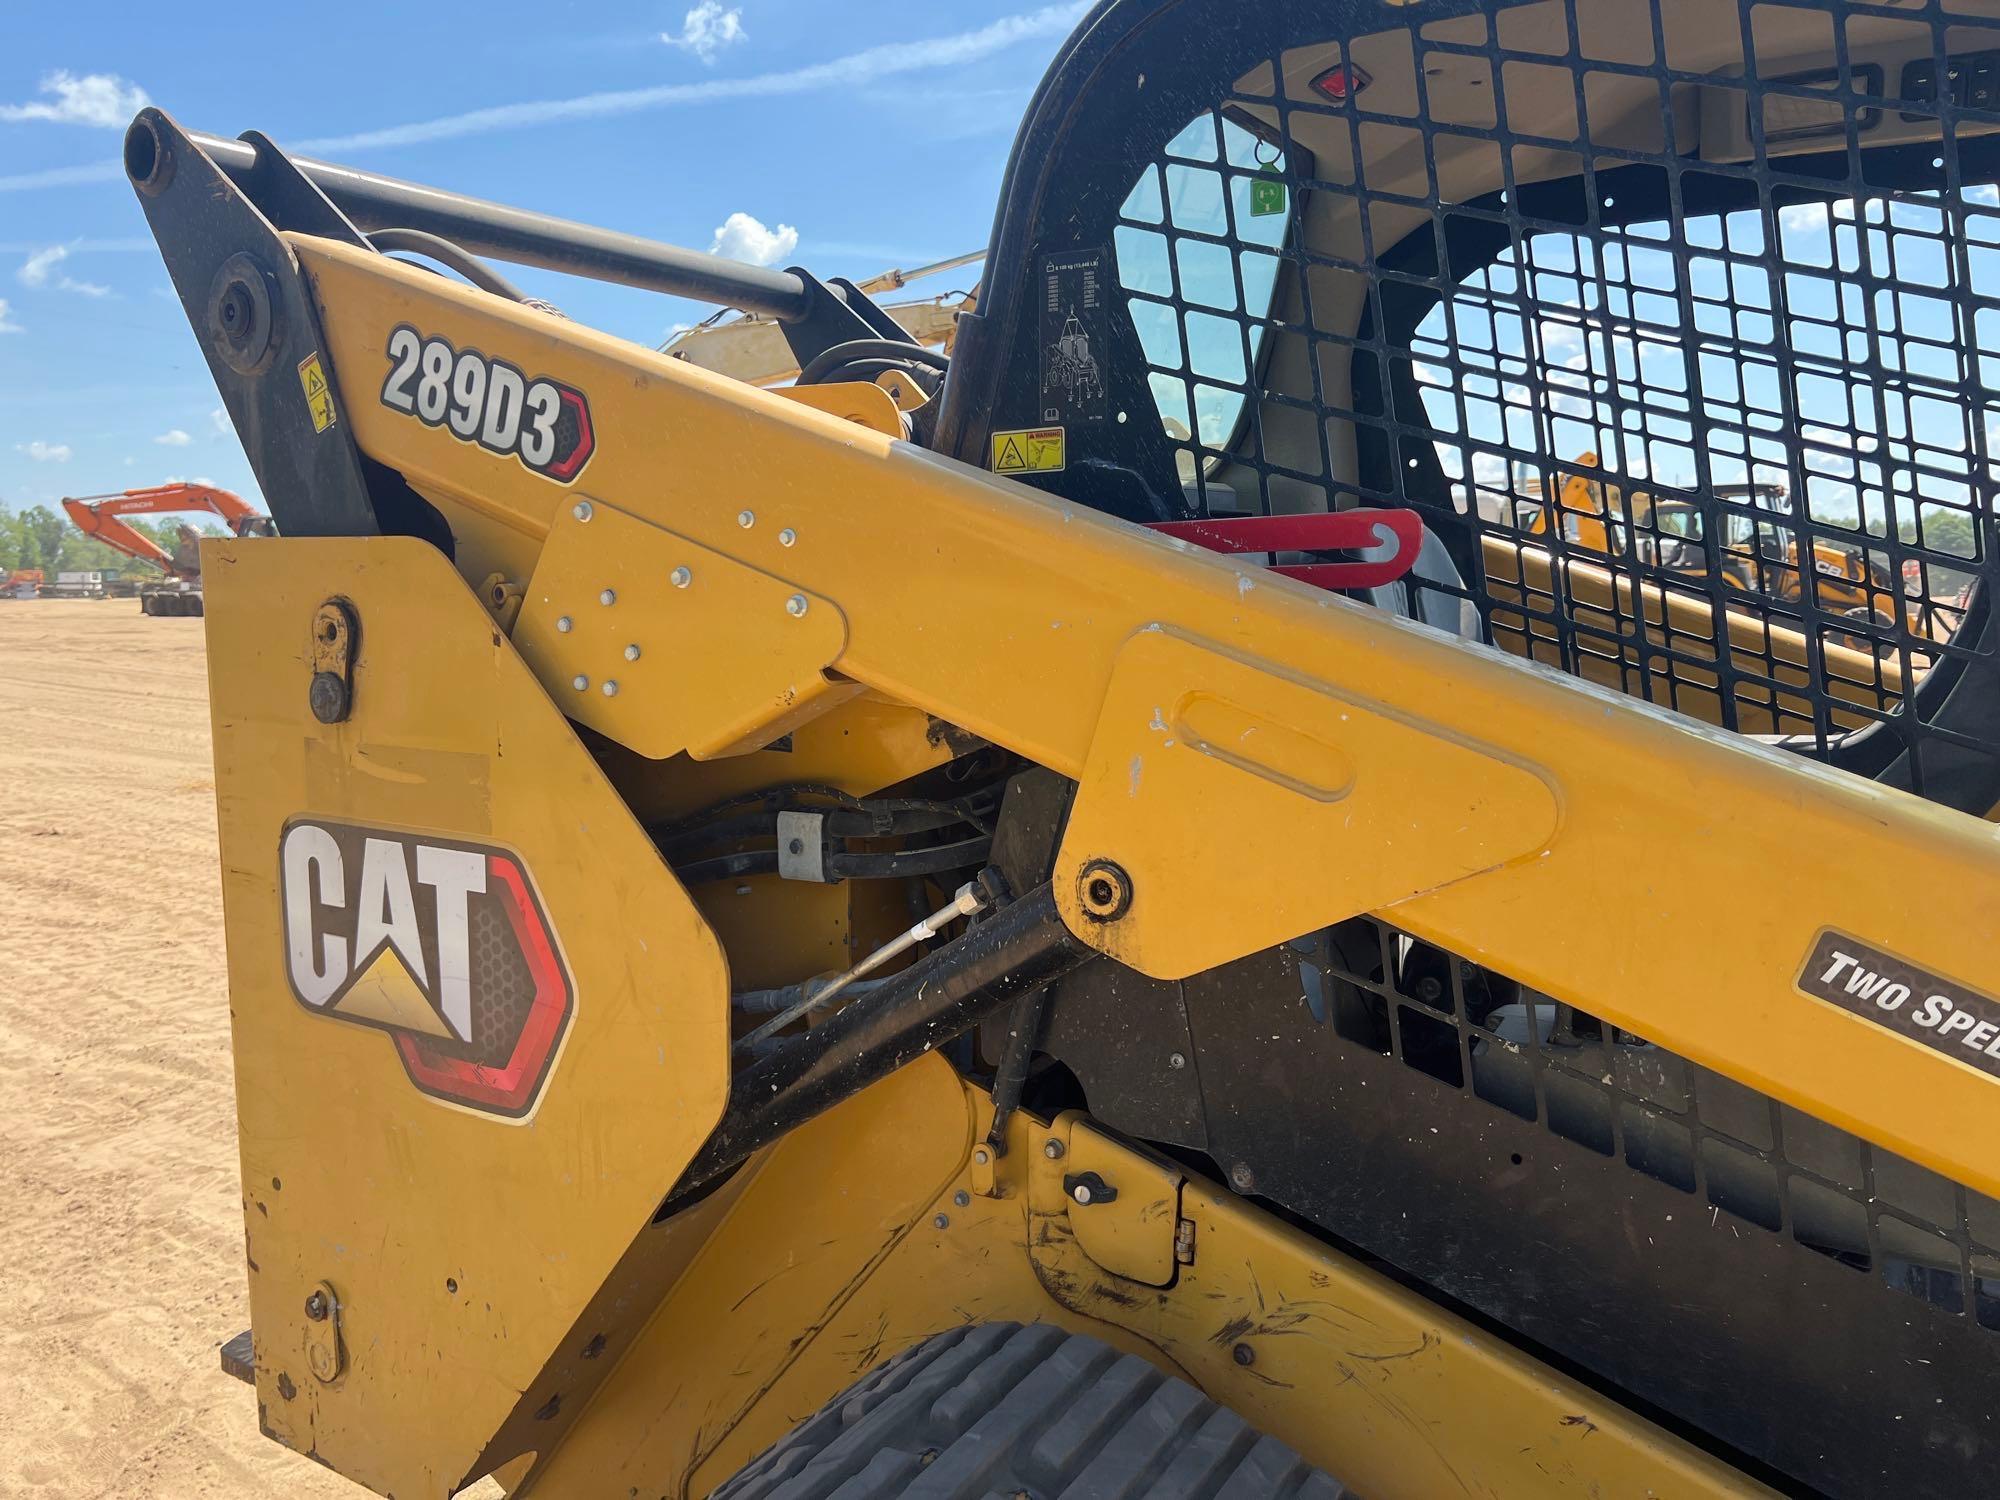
pixel 179 591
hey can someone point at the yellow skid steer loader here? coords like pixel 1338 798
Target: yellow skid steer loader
pixel 1096 917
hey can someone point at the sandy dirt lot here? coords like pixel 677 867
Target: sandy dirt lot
pixel 121 1242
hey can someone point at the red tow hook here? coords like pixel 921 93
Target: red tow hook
pixel 1329 531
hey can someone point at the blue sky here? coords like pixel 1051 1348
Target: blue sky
pixel 874 133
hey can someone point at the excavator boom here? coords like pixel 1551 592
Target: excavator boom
pixel 102 517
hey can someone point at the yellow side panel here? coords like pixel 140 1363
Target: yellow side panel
pixel 459 1244
pixel 865 1232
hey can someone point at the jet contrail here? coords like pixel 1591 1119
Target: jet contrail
pixel 857 68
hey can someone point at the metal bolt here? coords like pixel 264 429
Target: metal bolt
pixel 1081 1193
pixel 611 689
pixel 608 597
pixel 581 510
pixel 631 653
pixel 961 1198
pixel 316 1308
pixel 982 1156
pixel 1053 1150
pixel 796 606
pixel 1105 891
pixel 787 537
pixel 565 625
pixel 941 1222
pixel 329 698
pixel 580 682
pixel 1242 1178
pixel 746 519
pixel 1244 1354
pixel 1177 1061
pixel 681 578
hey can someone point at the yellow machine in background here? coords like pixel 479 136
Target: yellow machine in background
pixel 751 348
pixel 1006 922
pixel 1757 551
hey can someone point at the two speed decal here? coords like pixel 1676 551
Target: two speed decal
pixel 479 399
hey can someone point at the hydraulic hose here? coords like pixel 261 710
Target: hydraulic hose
pixel 1022 947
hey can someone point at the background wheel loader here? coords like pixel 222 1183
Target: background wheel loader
pixel 1038 888
pixel 1756 551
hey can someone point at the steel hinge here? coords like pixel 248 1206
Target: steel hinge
pixel 326 1354
pixel 335 632
pixel 1184 1243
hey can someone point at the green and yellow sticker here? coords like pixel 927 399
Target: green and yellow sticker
pixel 319 395
pixel 1037 450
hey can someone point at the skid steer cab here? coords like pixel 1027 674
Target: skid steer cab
pixel 1009 924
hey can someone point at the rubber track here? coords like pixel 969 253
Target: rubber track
pixel 1000 1411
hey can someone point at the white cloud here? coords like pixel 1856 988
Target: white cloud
pixel 173 438
pixel 744 238
pixel 223 426
pixel 44 453
pixel 94 99
pixel 36 272
pixel 892 60
pixel 122 244
pixel 708 29
pixel 7 324
pixel 857 68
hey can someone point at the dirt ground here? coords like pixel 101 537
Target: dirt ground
pixel 121 1241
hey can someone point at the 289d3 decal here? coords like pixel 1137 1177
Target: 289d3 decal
pixel 478 399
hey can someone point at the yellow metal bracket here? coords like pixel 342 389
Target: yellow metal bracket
pixel 666 646
pixel 1124 1207
pixel 1203 754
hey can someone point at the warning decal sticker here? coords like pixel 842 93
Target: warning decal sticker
pixel 1075 336
pixel 319 395
pixel 1896 994
pixel 1041 450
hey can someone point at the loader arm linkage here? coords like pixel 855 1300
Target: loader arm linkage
pixel 1478 797
pixel 594 709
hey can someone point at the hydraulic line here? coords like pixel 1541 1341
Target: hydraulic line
pixel 443 251
pixel 1021 947
pixel 969 902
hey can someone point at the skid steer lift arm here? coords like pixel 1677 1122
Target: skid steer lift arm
pixel 635 665
pixel 1256 760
